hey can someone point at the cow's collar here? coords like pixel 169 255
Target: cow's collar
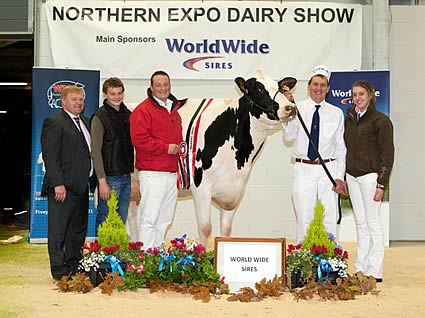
pixel 271 112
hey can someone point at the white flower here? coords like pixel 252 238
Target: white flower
pixel 338 265
pixel 91 261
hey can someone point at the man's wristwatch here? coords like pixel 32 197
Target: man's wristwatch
pixel 380 186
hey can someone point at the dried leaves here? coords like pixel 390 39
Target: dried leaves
pixel 111 282
pixel 199 291
pixel 345 288
pixel 273 288
pixel 80 284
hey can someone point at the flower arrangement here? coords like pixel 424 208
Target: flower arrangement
pixel 318 254
pixel 184 261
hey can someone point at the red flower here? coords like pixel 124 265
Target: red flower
pixel 290 248
pixel 92 246
pixel 338 251
pixel 140 269
pixel 153 251
pixel 298 246
pixel 111 249
pixel 345 255
pixel 318 250
pixel 198 249
pixel 222 279
pixel 131 268
pixel 134 245
pixel 180 244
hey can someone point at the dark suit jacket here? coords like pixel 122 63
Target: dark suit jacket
pixel 65 154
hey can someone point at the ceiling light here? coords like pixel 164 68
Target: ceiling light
pixel 13 83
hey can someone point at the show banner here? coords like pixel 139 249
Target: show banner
pixel 196 40
pixel 340 91
pixel 46 90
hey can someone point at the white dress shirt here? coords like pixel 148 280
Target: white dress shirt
pixel 331 133
pixel 167 105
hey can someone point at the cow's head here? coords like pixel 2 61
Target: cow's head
pixel 265 96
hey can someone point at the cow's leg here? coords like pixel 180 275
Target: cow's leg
pixel 226 221
pixel 202 203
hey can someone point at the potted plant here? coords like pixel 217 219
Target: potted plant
pixel 99 256
pixel 329 258
pixel 318 256
pixel 299 265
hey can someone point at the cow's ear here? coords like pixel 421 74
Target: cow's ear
pixel 241 84
pixel 287 84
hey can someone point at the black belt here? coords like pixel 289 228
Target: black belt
pixel 312 162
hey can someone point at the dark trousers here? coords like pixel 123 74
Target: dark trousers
pixel 67 227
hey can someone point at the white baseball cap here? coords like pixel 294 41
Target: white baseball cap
pixel 320 70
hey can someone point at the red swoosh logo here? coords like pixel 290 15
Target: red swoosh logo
pixel 346 101
pixel 189 64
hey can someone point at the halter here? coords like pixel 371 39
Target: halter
pixel 268 111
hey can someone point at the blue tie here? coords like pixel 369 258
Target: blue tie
pixel 314 133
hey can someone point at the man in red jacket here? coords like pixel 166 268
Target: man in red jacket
pixel 156 133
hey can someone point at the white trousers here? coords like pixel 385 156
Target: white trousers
pixel 370 233
pixel 156 209
pixel 311 183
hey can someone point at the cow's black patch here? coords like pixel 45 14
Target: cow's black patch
pixel 231 123
pixel 215 135
pixel 243 138
pixel 236 123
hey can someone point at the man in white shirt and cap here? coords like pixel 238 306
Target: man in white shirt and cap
pixel 325 123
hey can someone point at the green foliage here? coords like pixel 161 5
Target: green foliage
pixel 316 233
pixel 112 231
pixel 300 261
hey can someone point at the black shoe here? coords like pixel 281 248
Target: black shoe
pixel 378 280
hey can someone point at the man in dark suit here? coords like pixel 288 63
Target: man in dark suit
pixel 65 141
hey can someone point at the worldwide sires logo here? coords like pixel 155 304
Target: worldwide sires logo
pixel 54 92
pixel 218 54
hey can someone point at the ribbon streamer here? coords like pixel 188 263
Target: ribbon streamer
pixel 166 258
pixel 115 264
pixel 188 260
pixel 322 267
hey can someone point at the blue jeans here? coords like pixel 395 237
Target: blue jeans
pixel 122 186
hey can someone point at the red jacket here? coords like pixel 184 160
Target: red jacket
pixel 152 129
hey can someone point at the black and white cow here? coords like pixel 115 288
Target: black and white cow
pixel 223 138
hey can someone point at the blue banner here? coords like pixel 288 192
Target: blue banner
pixel 340 91
pixel 46 90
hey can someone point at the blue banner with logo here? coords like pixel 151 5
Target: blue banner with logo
pixel 340 88
pixel 46 90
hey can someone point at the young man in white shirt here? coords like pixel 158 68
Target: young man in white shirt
pixel 310 181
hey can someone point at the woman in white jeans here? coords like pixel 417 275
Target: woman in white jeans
pixel 370 155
